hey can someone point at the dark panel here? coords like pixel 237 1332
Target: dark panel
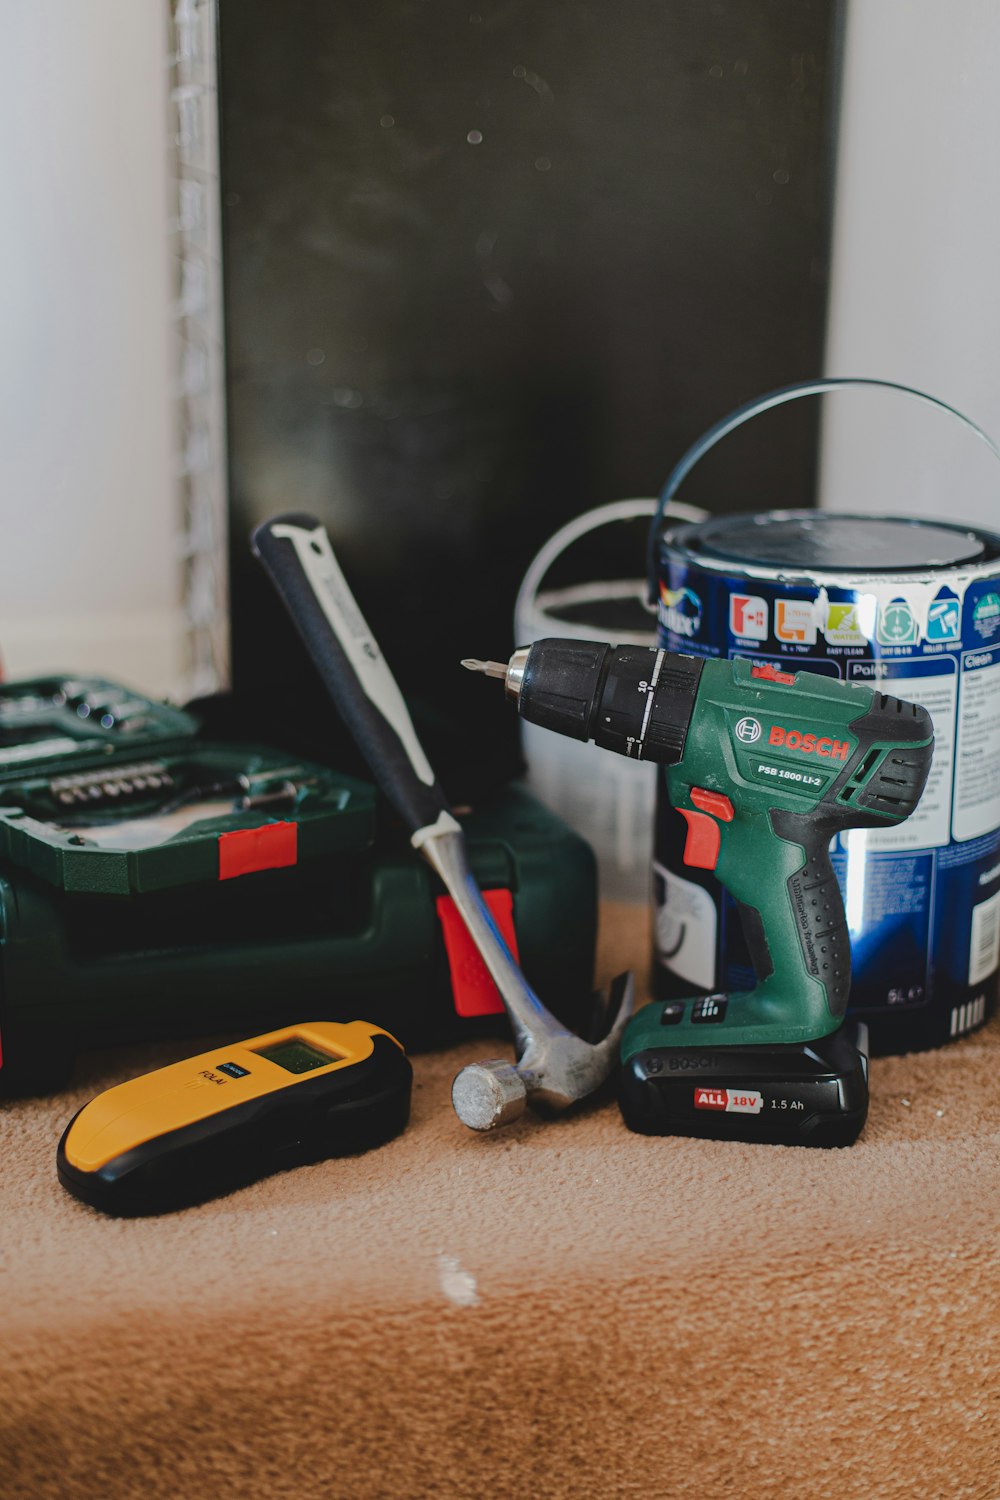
pixel 486 269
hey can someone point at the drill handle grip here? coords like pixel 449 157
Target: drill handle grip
pixel 295 551
pixel 818 908
pixel 792 913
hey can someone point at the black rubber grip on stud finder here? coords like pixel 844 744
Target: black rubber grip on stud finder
pixel 350 662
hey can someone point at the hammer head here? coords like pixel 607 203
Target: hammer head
pixel 555 1070
pixel 489 1093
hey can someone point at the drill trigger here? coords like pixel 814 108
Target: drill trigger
pixel 701 848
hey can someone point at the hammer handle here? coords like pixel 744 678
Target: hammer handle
pixel 295 550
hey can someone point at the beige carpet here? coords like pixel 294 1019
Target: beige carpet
pixel 563 1309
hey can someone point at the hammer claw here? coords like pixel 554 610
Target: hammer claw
pixel 555 1070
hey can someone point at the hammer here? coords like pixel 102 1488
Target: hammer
pixel 555 1068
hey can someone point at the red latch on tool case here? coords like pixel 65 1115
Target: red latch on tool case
pixel 474 991
pixel 246 850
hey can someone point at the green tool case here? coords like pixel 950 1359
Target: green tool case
pixel 155 883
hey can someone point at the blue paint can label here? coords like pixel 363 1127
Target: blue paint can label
pixel 922 898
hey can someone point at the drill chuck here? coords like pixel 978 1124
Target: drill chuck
pixel 636 700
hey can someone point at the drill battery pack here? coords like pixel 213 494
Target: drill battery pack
pixel 791 1094
pixel 157 883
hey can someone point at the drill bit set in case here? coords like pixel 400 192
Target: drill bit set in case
pixel 118 806
pixel 155 883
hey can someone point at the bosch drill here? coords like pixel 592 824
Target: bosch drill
pixel 765 767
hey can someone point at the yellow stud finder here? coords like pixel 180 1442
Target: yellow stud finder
pixel 212 1123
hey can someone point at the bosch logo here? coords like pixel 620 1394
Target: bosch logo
pixel 809 744
pixel 748 730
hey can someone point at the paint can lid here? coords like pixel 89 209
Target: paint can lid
pixel 829 541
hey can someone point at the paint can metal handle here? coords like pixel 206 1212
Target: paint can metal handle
pixel 536 612
pixel 741 414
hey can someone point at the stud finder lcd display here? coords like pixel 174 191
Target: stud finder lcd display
pixel 297 1056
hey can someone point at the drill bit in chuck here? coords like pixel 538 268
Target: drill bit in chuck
pixel 511 673
pixel 488 668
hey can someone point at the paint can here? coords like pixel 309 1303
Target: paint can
pixel 912 607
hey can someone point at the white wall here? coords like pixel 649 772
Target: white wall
pixel 916 259
pixel 89 555
pixel 90 572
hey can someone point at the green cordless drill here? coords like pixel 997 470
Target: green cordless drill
pixel 765 767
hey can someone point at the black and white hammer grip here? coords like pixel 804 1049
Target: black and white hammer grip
pixel 296 552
